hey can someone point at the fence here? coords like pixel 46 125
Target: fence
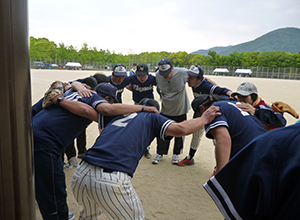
pixel 258 72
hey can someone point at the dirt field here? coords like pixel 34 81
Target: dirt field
pixel 168 191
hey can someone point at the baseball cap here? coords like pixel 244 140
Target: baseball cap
pixel 149 102
pixel 195 70
pixel 107 89
pixel 142 70
pixel 90 81
pixel 120 70
pixel 245 89
pixel 165 67
pixel 204 99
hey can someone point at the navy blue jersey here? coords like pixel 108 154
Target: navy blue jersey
pixel 262 181
pixel 142 90
pixel 54 127
pixel 120 87
pixel 206 87
pixel 242 126
pixel 124 140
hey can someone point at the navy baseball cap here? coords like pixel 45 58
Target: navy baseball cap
pixel 165 67
pixel 120 70
pixel 142 70
pixel 108 90
pixel 195 70
pixel 204 99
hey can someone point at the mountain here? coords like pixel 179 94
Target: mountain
pixel 283 39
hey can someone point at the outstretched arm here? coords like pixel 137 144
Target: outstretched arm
pixel 123 109
pixel 78 108
pixel 192 125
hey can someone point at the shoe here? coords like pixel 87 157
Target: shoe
pixel 147 154
pixel 73 162
pixel 185 162
pixel 175 159
pixel 68 166
pixel 157 159
pixel 80 156
pixel 71 216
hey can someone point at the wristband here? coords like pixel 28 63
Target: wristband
pixel 143 108
pixel 59 99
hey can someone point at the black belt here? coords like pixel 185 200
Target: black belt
pixel 106 170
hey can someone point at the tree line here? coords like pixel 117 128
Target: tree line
pixel 41 49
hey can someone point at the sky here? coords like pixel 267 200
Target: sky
pixel 136 26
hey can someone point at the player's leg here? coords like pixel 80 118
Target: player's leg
pixel 161 149
pixel 179 141
pixel 81 143
pixel 80 181
pixel 195 143
pixel 50 185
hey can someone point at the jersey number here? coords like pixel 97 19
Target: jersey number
pixel 242 112
pixel 121 122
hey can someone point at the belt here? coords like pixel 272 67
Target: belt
pixel 107 170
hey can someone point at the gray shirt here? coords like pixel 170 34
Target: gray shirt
pixel 174 96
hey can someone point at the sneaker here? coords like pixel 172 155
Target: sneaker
pixel 73 162
pixel 157 159
pixel 68 166
pixel 175 159
pixel 185 162
pixel 147 154
pixel 71 216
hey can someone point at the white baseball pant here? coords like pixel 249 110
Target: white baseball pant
pixel 112 193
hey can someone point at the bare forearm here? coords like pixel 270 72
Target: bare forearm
pixel 186 127
pixel 80 109
pixel 123 109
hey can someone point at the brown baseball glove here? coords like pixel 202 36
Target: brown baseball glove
pixel 282 107
pixel 56 88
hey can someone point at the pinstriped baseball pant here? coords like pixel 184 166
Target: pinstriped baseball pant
pixel 111 193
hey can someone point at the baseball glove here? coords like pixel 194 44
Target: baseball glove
pixel 282 107
pixel 56 88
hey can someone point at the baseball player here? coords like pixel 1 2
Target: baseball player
pixel 200 85
pixel 262 180
pixel 252 103
pixel 141 84
pixel 232 130
pixel 175 104
pixel 101 183
pixel 119 79
pixel 53 129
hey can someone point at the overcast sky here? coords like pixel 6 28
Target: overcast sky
pixel 136 26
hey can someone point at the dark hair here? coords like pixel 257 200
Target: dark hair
pixel 254 97
pixel 90 81
pixel 149 102
pixel 101 78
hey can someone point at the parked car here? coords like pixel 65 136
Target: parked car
pixel 38 63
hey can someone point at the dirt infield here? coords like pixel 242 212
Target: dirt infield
pixel 168 191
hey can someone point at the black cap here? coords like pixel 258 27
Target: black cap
pixel 204 99
pixel 142 70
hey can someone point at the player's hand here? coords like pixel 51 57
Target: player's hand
pixel 211 113
pixel 86 92
pixel 151 109
pixel 246 107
